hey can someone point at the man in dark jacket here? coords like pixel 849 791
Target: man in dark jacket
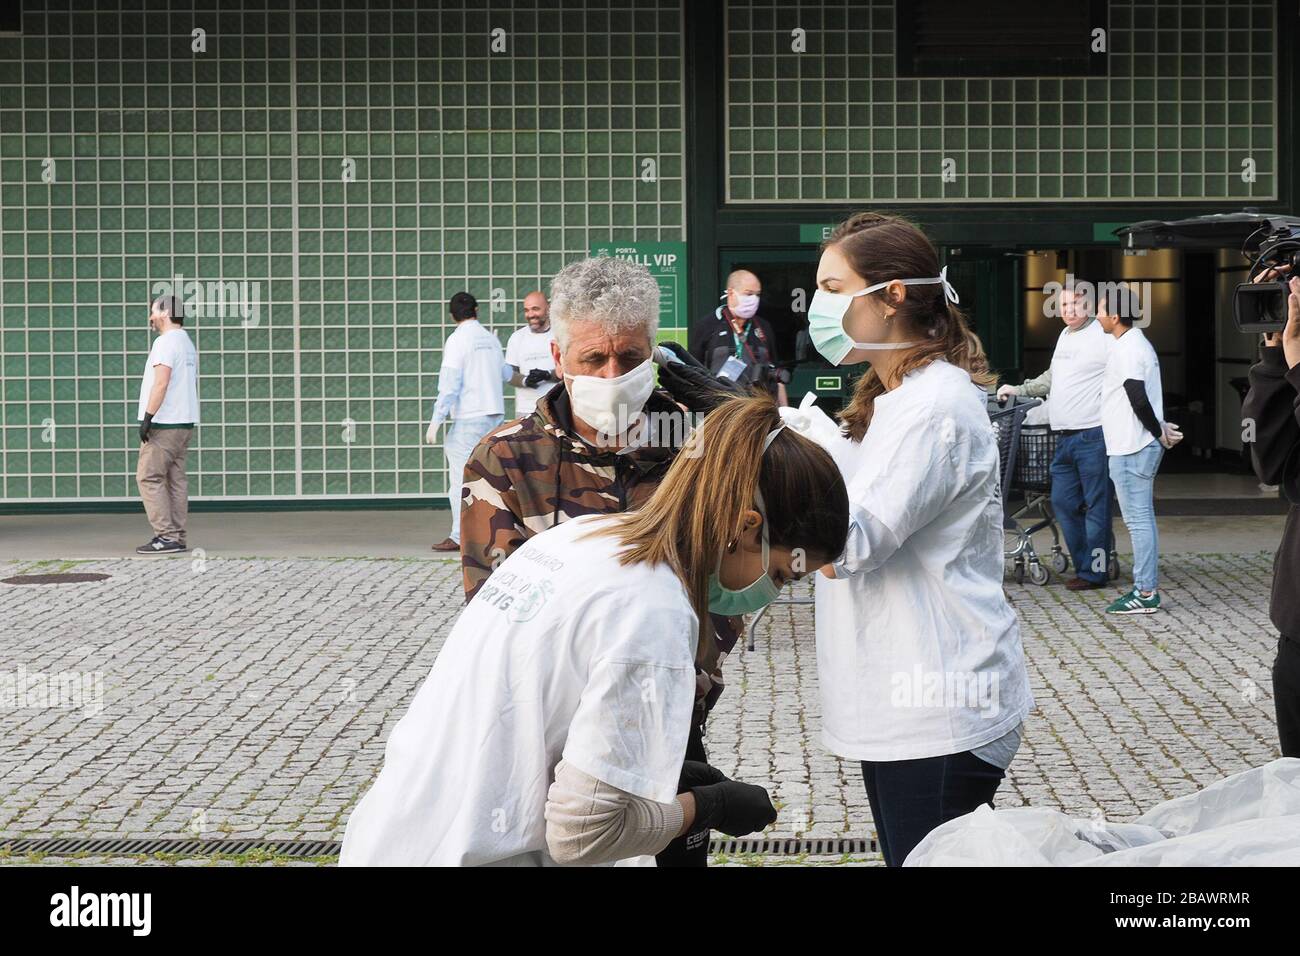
pixel 736 342
pixel 1272 410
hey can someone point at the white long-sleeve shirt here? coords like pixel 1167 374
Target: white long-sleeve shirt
pixel 474 370
pixel 918 650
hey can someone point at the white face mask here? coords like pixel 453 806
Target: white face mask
pixel 611 405
pixel 746 305
pixel 826 318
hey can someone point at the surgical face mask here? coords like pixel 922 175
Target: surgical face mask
pixel 754 596
pixel 746 306
pixel 826 318
pixel 611 405
pixel 760 592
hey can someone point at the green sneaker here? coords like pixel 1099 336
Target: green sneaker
pixel 1135 603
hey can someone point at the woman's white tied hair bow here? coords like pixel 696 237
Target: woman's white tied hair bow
pixel 948 290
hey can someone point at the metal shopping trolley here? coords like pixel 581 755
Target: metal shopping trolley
pixel 1026 453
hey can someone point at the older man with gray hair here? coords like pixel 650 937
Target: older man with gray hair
pixel 587 449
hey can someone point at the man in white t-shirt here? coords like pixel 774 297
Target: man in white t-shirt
pixel 1080 479
pixel 470 393
pixel 168 411
pixel 528 353
pixel 1132 417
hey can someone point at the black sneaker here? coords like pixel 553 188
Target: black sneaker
pixel 160 545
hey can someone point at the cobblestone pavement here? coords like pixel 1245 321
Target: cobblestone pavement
pixel 252 698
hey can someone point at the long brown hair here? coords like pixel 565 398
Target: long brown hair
pixel 879 248
pixel 695 513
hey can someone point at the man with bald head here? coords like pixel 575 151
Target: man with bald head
pixel 736 343
pixel 528 353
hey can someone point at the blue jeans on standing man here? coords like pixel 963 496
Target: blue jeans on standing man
pixel 1135 480
pixel 1081 500
pixel 459 442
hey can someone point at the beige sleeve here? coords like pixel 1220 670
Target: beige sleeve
pixel 1037 387
pixel 590 822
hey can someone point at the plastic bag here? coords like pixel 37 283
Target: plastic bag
pixel 1249 819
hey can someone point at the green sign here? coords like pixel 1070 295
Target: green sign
pixel 667 263
pixel 1105 231
pixel 816 232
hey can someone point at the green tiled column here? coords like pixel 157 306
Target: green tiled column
pixel 357 168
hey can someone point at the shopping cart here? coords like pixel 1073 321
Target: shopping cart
pixel 1025 454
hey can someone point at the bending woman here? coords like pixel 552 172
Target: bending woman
pixel 921 668
pixel 552 727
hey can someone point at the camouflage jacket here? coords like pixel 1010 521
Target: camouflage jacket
pixel 532 473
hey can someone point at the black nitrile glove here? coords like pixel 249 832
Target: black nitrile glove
pixel 681 352
pixel 734 808
pixel 145 424
pixel 691 384
pixel 697 773
pixel 537 376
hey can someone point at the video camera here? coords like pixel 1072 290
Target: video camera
pixel 1261 306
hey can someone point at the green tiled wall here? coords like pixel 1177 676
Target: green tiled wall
pixel 477 170
pixel 1191 92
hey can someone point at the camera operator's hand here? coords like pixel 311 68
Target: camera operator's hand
pixel 1291 333
pixel 1274 339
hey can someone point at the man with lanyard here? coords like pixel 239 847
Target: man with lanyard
pixel 1080 469
pixel 735 343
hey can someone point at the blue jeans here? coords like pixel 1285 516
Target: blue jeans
pixel 462 436
pixel 1081 500
pixel 909 798
pixel 1135 480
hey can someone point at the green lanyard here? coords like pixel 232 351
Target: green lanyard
pixel 740 338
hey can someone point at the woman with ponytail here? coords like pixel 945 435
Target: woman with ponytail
pixel 922 673
pixel 553 725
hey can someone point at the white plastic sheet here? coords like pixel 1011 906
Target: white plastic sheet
pixel 1249 819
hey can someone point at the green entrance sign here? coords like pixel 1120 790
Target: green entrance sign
pixel 816 232
pixel 667 263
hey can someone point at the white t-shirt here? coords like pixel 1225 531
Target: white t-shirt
pixel 527 350
pixel 563 652
pixel 1078 365
pixel 180 404
pixel 1131 356
pixel 475 352
pixel 918 650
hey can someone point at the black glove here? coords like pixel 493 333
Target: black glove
pixel 681 352
pixel 734 808
pixel 145 424
pixel 692 385
pixel 537 376
pixel 697 773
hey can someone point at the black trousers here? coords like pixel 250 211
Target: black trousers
pixel 909 798
pixel 692 849
pixel 1286 694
